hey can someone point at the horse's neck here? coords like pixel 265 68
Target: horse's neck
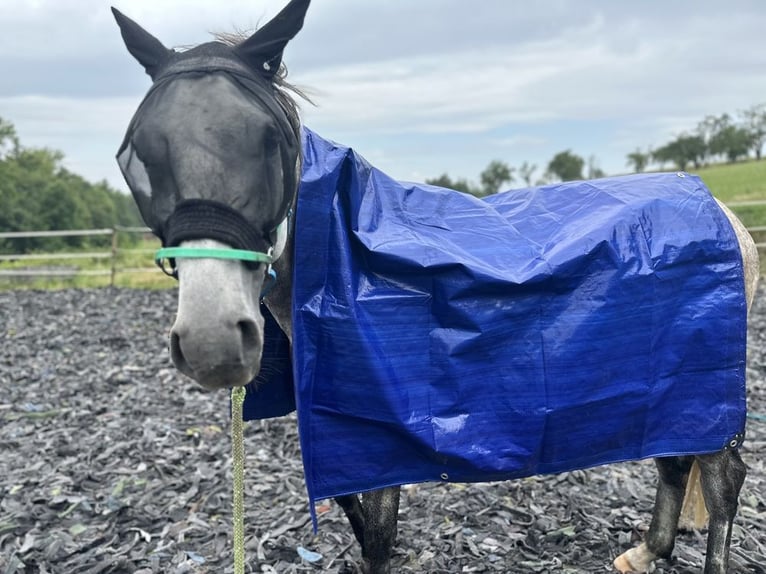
pixel 279 299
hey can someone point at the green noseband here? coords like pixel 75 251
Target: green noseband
pixel 275 251
pixel 210 253
pixel 215 253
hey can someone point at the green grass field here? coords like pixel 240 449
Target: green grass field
pixel 736 182
pixel 730 183
pixel 741 182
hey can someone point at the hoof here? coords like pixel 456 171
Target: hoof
pixel 622 564
pixel 637 559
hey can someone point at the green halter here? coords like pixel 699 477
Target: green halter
pixel 216 253
pixel 280 239
pixel 210 253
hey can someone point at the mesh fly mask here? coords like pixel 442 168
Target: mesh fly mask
pixel 216 180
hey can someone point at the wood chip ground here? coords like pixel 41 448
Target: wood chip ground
pixel 111 462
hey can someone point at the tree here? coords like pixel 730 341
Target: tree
pixel 126 209
pixel 566 166
pixel 732 142
pixel 709 127
pixel 755 122
pixel 684 150
pixel 494 176
pixel 638 160
pixel 38 193
pixel 594 172
pixel 725 139
pixel 525 172
pixel 9 142
pixel 458 185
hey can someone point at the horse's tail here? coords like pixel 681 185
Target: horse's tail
pixel 693 512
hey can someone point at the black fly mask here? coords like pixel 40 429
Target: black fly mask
pixel 213 152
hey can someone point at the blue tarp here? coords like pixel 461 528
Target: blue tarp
pixel 437 336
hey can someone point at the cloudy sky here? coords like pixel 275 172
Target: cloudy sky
pixel 419 87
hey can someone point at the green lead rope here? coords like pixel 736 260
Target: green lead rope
pixel 238 458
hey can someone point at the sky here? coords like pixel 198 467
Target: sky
pixel 418 87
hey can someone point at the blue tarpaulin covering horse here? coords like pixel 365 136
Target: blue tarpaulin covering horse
pixel 437 336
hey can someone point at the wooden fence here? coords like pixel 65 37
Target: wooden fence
pixel 115 251
pixel 755 230
pixel 112 254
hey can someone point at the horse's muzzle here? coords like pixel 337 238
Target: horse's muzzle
pixel 217 358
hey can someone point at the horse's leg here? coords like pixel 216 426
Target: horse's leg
pixel 353 510
pixel 722 475
pixel 661 537
pixel 373 520
pixel 381 510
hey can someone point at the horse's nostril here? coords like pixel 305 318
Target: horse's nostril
pixel 176 354
pixel 249 332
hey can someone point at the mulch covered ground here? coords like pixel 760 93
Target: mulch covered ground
pixel 112 462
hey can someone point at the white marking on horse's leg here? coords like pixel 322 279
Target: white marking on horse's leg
pixel 638 559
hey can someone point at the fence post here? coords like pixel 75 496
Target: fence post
pixel 113 274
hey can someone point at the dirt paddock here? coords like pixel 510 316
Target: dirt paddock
pixel 111 462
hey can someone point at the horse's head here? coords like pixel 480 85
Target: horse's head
pixel 212 157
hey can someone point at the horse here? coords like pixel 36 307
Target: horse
pixel 213 159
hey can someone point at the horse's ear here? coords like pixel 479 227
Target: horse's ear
pixel 144 47
pixel 263 50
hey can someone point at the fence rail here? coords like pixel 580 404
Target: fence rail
pixel 113 254
pixel 62 233
pixel 115 250
pixel 753 229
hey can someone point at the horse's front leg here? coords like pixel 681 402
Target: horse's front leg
pixel 374 522
pixel 722 476
pixel 381 512
pixel 661 537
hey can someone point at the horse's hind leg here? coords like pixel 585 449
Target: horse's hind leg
pixel 352 507
pixel 661 537
pixel 722 475
pixel 373 520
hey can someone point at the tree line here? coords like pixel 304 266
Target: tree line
pixel 715 139
pixel 38 193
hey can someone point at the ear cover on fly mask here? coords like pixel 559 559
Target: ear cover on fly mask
pixel 144 47
pixel 262 50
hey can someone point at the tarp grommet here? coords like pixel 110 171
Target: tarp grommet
pixel 736 441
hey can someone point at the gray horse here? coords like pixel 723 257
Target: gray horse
pixel 213 159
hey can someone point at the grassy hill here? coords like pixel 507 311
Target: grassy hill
pixel 736 182
pixel 740 182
